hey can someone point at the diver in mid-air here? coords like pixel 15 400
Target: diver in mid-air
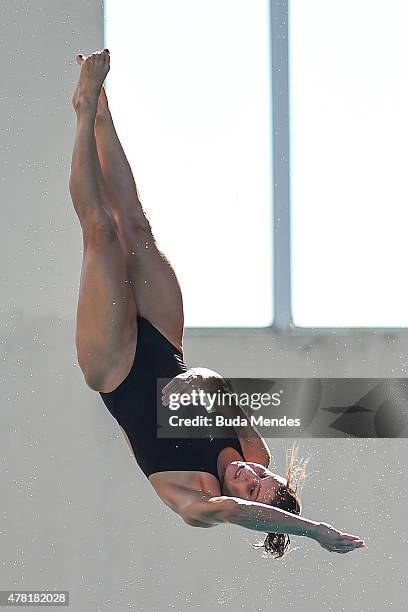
pixel 129 333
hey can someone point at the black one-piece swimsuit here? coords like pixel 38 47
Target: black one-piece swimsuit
pixel 134 405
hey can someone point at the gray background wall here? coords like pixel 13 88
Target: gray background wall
pixel 76 512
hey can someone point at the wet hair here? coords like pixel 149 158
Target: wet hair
pixel 288 498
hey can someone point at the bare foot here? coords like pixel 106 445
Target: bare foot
pixel 94 69
pixel 103 107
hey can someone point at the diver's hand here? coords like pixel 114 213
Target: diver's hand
pixel 334 540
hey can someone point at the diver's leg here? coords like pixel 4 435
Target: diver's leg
pixel 155 286
pixel 106 315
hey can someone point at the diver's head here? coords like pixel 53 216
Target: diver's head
pixel 256 483
pixel 252 481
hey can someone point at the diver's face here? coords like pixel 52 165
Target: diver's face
pixel 251 481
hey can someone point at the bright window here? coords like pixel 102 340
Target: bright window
pixel 349 160
pixel 190 93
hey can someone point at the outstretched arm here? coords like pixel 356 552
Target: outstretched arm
pixel 261 517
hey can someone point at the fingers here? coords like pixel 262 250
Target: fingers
pixel 177 387
pixel 172 383
pixel 355 540
pixel 344 547
pixel 166 388
pixel 349 546
pixel 349 536
pixel 180 384
pixel 343 550
pixel 167 394
pixel 343 543
pixel 174 386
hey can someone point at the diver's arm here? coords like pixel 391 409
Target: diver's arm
pixel 262 517
pixel 252 515
pixel 253 445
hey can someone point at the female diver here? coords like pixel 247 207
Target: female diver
pixel 130 333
